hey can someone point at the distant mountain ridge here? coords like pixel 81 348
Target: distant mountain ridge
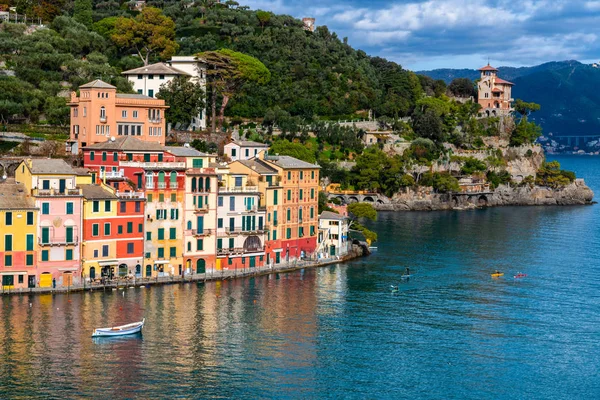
pixel 566 90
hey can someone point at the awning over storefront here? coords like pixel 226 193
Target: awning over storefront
pixel 161 262
pixel 14 273
pixel 69 269
pixel 107 263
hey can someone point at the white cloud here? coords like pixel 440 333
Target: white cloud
pixel 448 33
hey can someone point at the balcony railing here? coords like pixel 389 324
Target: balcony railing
pixel 154 164
pixel 239 231
pixel 131 195
pixel 162 185
pixel 56 192
pixel 204 232
pixel 113 174
pixel 173 185
pixel 103 118
pixel 238 189
pixel 58 241
pixel 201 209
pixel 240 251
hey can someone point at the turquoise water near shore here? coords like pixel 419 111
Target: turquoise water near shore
pixel 451 332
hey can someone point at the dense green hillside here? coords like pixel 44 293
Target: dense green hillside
pixel 312 73
pixel 566 90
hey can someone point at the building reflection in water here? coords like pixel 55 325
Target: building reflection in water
pixel 198 338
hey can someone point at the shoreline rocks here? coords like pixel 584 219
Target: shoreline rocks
pixel 576 193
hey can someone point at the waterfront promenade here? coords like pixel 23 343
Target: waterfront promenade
pixel 122 283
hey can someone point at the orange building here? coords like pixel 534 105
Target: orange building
pixel 494 94
pixel 99 112
pixel 297 229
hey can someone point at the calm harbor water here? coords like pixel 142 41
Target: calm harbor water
pixel 451 332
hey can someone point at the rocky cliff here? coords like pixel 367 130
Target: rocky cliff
pixel 577 193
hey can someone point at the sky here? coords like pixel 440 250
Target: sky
pixel 424 35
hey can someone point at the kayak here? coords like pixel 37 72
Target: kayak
pixel 520 275
pixel 497 274
pixel 405 276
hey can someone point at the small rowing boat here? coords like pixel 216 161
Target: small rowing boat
pixel 122 330
pixel 520 275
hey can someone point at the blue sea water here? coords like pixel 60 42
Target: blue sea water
pixel 451 331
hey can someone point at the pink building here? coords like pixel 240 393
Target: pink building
pixel 99 113
pixel 53 185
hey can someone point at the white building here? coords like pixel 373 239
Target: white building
pixel 147 80
pixel 243 150
pixel 333 234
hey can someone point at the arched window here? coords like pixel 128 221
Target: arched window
pixel 193 184
pixel 173 180
pixel 189 224
pixel 161 180
pixel 149 180
pixel 207 183
pixel 102 112
pixel 200 184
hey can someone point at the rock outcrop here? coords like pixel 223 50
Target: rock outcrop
pixel 576 193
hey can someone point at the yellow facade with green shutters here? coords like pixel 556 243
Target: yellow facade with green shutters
pixel 18 238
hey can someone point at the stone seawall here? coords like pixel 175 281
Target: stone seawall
pixel 577 193
pixel 355 252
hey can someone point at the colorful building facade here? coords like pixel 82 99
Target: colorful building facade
pixel 18 237
pixel 241 223
pixel 201 188
pixel 268 181
pixel 52 184
pixel 297 224
pixel 99 113
pixel 494 94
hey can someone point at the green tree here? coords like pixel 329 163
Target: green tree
pixel 462 87
pixel 150 33
pixel 525 132
pixel 552 176
pixel 363 210
pixel 263 17
pixel 83 12
pixel 472 165
pixel 228 71
pixel 57 111
pixel 184 98
pixel 525 108
pixel 297 150
pixel 428 125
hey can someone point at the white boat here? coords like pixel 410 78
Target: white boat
pixel 122 330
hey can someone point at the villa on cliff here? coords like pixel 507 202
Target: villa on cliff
pixel 494 93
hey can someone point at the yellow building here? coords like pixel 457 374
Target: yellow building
pixel 267 179
pixel 18 228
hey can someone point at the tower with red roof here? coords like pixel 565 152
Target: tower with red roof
pixel 494 93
